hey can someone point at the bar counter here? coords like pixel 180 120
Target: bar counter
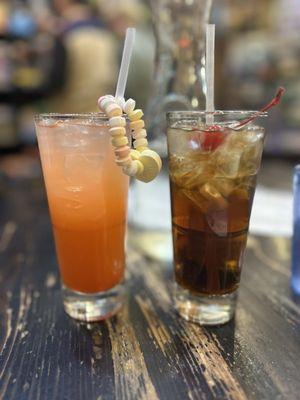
pixel 147 351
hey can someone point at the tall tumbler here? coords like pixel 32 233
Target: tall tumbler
pixel 87 196
pixel 213 171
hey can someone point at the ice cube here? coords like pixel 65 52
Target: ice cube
pixel 175 162
pixel 244 137
pixel 177 167
pixel 250 136
pixel 246 183
pixel 80 168
pixel 195 141
pixel 210 193
pixel 72 135
pixel 197 199
pixel 71 140
pixel 233 141
pixel 223 185
pixel 228 162
pixel 250 160
pixel 240 194
pixel 93 160
pixel 218 222
pixel 189 173
pixel 196 177
pixel 182 141
pixel 178 141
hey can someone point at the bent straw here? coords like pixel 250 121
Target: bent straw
pixel 126 57
pixel 210 72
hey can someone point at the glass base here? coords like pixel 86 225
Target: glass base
pixel 205 310
pixel 95 306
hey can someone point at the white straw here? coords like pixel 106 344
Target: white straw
pixel 126 56
pixel 210 71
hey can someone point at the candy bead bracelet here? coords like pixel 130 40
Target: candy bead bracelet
pixel 141 162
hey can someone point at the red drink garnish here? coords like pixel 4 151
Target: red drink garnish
pixel 214 136
pixel 210 138
pixel 272 103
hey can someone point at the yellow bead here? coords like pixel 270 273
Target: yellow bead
pixel 119 141
pixel 152 165
pixel 117 121
pixel 124 161
pixel 129 106
pixel 140 149
pixel 135 155
pixel 140 167
pixel 113 110
pixel 135 115
pixel 117 131
pixel 136 167
pixel 137 125
pixel 104 101
pixel 139 134
pixel 140 143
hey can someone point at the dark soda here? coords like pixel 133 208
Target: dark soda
pixel 212 191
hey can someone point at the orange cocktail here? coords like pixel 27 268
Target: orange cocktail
pixel 87 195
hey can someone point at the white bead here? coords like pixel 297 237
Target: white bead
pixel 104 101
pixel 117 131
pixel 133 168
pixel 130 169
pixel 135 155
pixel 121 102
pixel 137 125
pixel 124 161
pixel 113 110
pixel 119 141
pixel 135 115
pixel 140 143
pixel 139 134
pixel 129 106
pixel 117 121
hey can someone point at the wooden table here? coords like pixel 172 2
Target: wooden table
pixel 146 352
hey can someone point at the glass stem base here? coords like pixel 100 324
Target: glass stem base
pixel 94 306
pixel 205 310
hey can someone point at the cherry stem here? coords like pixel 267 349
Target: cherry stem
pixel 273 102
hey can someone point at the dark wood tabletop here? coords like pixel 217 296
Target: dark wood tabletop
pixel 147 351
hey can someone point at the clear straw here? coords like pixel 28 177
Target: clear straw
pixel 126 56
pixel 210 72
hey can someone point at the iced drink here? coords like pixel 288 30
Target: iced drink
pixel 87 196
pixel 213 176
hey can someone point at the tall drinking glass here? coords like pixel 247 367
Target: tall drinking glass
pixel 213 172
pixel 87 196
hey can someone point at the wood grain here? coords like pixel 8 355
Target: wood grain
pixel 146 352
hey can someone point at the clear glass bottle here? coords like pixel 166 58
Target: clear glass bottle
pixel 179 29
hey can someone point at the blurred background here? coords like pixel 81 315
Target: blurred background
pixel 61 55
